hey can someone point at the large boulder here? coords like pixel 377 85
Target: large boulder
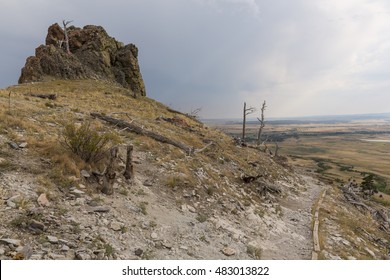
pixel 93 54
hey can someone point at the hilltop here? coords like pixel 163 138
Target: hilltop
pixel 91 170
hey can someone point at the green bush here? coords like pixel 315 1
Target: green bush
pixel 85 142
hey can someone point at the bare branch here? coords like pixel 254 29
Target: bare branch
pixel 262 123
pixel 65 24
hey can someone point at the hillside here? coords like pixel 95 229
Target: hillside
pixel 220 201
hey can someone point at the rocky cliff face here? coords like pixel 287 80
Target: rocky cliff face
pixel 93 54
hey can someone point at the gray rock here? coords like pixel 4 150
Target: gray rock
pixel 148 183
pixel 13 145
pixel 23 145
pixel 36 256
pixel 52 239
pixel 65 248
pixel 116 226
pixel 167 244
pixel 85 173
pixel 99 209
pixel 154 235
pixel 36 226
pixel 14 242
pixel 138 252
pixel 11 204
pixel 191 209
pixel 77 192
pixel 81 255
pixel 2 251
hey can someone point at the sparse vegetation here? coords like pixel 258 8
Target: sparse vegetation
pixel 254 252
pixel 87 143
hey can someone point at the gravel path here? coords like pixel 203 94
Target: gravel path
pixel 291 237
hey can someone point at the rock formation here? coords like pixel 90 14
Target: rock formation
pixel 93 54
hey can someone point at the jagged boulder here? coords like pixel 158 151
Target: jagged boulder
pixel 93 54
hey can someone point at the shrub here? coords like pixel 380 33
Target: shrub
pixel 85 142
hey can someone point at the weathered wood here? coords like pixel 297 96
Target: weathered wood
pixel 139 130
pixel 109 173
pixel 51 96
pixel 129 169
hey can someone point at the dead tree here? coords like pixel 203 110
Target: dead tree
pixel 142 131
pixel 9 102
pixel 65 23
pixel 109 173
pixel 129 169
pixel 246 112
pixel 262 124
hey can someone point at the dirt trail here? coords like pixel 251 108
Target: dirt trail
pixel 291 237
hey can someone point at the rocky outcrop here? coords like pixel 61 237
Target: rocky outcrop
pixel 93 54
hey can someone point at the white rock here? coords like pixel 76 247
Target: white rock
pixel 116 226
pixel 42 200
pixel 52 239
pixel 154 235
pixel 11 241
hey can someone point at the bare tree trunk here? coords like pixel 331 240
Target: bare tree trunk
pixel 9 102
pixel 244 123
pixel 246 112
pixel 109 173
pixel 129 170
pixel 65 23
pixel 276 149
pixel 262 124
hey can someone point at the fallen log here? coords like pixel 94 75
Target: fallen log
pixel 142 131
pixel 51 96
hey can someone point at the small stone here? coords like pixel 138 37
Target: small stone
pixel 36 257
pixel 82 256
pixel 36 226
pixel 65 248
pixel 167 244
pixel 42 200
pixel 191 209
pixel 99 209
pixel 116 226
pixel 14 242
pixel 85 173
pixel 138 252
pixel 81 186
pixel 370 252
pixel 13 145
pixel 23 145
pixel 154 235
pixel 80 201
pixel 11 204
pixel 227 251
pixel 184 208
pixel 52 239
pixel 2 251
pixel 77 192
pixel 148 183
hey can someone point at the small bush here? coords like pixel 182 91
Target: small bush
pixel 85 142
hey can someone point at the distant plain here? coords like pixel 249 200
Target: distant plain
pixel 338 149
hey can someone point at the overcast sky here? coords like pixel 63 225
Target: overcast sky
pixel 304 57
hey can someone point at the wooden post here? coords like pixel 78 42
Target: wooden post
pixel 243 124
pixel 129 171
pixel 109 173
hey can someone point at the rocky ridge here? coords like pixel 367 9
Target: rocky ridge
pixel 93 54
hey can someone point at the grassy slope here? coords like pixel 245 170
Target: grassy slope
pixel 40 122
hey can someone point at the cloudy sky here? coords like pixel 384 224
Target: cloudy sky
pixel 304 57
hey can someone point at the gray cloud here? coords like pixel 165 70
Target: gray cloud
pixel 303 57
